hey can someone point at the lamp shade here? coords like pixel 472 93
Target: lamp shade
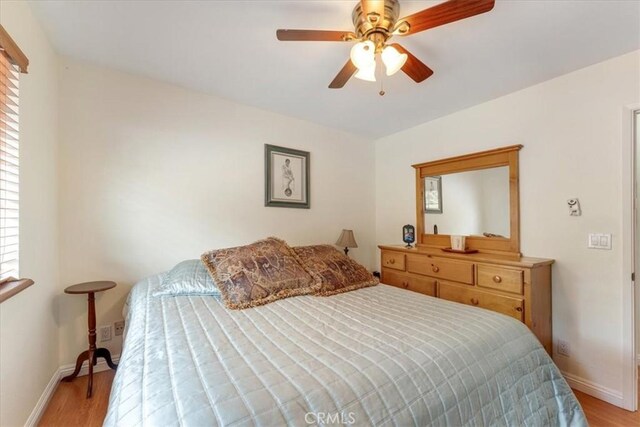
pixel 363 54
pixel 368 73
pixel 393 60
pixel 346 239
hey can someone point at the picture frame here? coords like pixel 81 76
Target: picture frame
pixel 408 235
pixel 287 177
pixel 433 194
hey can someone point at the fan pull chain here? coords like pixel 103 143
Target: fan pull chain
pixel 382 92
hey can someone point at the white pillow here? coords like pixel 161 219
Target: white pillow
pixel 187 278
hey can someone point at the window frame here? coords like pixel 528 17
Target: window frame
pixel 10 50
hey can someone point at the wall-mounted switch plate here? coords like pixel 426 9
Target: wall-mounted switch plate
pixel 599 241
pixel 105 333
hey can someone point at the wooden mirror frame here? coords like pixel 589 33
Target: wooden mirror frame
pixel 505 156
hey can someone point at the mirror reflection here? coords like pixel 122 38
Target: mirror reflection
pixel 474 203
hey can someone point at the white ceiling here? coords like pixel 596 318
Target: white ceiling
pixel 229 48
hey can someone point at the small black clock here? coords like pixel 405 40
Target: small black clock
pixel 408 235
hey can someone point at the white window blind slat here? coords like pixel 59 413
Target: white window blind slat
pixel 8 116
pixel 7 91
pixel 9 168
pixel 9 109
pixel 9 101
pixel 9 163
pixel 10 176
pixel 10 258
pixel 6 141
pixel 8 185
pixel 7 155
pixel 8 204
pixel 8 123
pixel 9 134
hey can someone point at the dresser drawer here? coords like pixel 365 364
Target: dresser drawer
pixel 423 285
pixel 441 268
pixel 510 306
pixel 501 278
pixel 394 278
pixel 393 260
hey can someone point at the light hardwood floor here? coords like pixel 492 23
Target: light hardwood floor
pixel 69 408
pixel 602 414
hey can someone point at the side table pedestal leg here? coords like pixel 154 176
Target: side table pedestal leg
pixel 104 353
pixel 81 358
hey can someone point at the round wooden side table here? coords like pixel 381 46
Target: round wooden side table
pixel 93 353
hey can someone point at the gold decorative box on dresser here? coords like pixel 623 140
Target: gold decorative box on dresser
pixel 518 287
pixel 476 196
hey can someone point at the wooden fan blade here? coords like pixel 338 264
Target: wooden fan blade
pixel 445 13
pixel 414 68
pixel 314 35
pixel 343 76
pixel 373 6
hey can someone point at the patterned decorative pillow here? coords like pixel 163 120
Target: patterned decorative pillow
pixel 338 272
pixel 259 273
pixel 188 277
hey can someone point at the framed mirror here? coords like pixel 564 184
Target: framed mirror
pixel 475 195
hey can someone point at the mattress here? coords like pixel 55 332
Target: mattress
pixel 376 356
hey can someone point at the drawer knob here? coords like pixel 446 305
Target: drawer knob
pixel 519 309
pixel 497 279
pixel 392 261
pixel 474 301
pixel 405 285
pixel 435 268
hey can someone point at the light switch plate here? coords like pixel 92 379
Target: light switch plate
pixel 599 241
pixel 105 333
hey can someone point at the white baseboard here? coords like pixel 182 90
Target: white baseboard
pixel 593 389
pixel 40 407
pixel 60 373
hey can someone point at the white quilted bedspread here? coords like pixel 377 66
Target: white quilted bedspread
pixel 376 356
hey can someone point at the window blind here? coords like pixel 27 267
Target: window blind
pixel 9 167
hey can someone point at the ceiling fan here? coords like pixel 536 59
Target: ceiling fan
pixel 375 22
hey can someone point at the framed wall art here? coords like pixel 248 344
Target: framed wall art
pixel 286 177
pixel 433 194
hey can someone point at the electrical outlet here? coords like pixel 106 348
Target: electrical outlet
pixel 105 333
pixel 119 327
pixel 563 348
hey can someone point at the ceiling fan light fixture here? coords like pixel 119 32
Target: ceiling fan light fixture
pixel 363 54
pixel 393 60
pixel 367 73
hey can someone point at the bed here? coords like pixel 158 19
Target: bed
pixel 376 356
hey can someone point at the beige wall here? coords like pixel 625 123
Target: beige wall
pixel 152 174
pixel 28 325
pixel 571 131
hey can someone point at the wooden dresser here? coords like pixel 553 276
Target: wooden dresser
pixel 519 287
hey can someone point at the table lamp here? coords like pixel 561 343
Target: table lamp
pixel 346 240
